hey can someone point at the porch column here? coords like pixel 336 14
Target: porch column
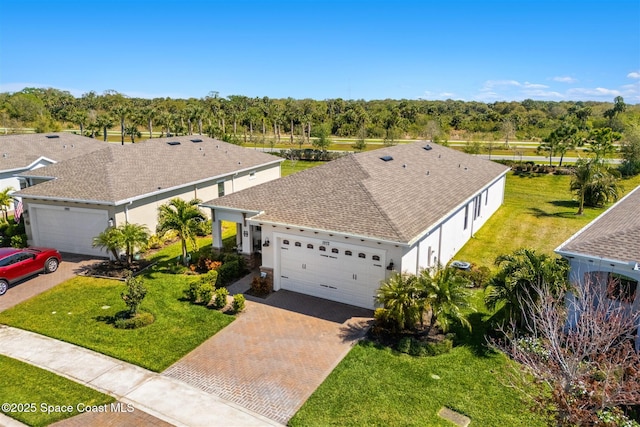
pixel 239 236
pixel 216 231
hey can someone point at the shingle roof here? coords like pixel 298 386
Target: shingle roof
pixel 120 172
pixel 20 151
pixel 361 194
pixel 613 235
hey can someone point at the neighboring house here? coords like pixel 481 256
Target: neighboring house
pixel 337 230
pixel 25 152
pixel 69 203
pixel 606 253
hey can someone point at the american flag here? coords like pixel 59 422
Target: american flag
pixel 17 212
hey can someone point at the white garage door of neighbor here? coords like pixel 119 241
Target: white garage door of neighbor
pixel 344 273
pixel 68 229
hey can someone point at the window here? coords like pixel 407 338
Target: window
pixel 322 248
pixel 23 183
pixel 348 253
pixel 621 288
pixel 376 257
pixel 466 216
pixel 309 246
pixel 221 189
pixel 486 196
pixel 298 244
pixel 335 251
pixel 285 242
pixel 478 205
pixel 361 255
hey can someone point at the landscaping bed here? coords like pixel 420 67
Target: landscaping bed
pixel 116 269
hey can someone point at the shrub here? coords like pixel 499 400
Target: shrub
pixel 135 293
pixel 154 242
pixel 477 276
pixel 228 272
pixel 205 293
pixel 143 318
pixel 238 303
pixel 204 228
pixel 260 286
pixel 220 299
pixel 210 277
pixel 19 241
pixel 414 347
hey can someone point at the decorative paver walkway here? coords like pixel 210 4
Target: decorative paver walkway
pixel 275 354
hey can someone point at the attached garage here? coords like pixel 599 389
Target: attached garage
pixel 349 274
pixel 67 229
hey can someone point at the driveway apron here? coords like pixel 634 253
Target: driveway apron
pixel 275 354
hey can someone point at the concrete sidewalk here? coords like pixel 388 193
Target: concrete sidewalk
pixel 165 398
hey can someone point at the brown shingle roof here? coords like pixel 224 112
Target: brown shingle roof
pixel 20 151
pixel 120 172
pixel 363 195
pixel 613 235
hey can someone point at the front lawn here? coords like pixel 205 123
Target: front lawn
pixel 30 388
pixel 538 212
pixel 377 386
pixel 81 311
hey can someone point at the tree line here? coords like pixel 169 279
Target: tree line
pixel 238 118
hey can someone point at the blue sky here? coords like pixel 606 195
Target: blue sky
pixel 469 50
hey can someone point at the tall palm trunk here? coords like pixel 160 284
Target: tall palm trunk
pixel 150 123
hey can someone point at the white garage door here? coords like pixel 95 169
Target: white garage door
pixel 67 229
pixel 345 273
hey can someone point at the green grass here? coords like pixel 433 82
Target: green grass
pixel 376 386
pixel 290 167
pixel 22 383
pixel 81 310
pixel 538 212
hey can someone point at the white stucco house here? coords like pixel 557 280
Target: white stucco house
pixel 337 230
pixel 68 203
pixel 606 254
pixel 26 152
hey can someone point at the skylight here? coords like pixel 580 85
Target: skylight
pixel 196 140
pixel 53 136
pixel 428 147
pixel 386 158
pixel 173 142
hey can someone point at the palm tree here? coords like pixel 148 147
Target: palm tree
pixel 5 202
pixel 521 272
pixel 105 122
pixel 132 237
pixel 400 296
pixel 446 293
pixel 182 217
pixel 126 237
pixel 594 184
pixel 109 239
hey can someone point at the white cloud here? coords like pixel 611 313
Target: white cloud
pixel 564 79
pixel 634 75
pixel 599 91
pixel 450 95
pixel 528 85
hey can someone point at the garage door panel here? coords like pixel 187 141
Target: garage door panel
pixel 331 274
pixel 68 230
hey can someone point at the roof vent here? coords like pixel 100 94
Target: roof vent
pixel 427 173
pixel 428 147
pixel 173 143
pixel 196 140
pixel 52 136
pixel 386 158
pixel 4 155
pixel 404 166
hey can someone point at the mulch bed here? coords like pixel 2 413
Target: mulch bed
pixel 116 269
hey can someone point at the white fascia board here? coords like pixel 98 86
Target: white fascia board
pixel 65 200
pixel 223 208
pixel 258 221
pixel 28 167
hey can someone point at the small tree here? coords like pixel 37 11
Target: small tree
pixel 400 297
pixel 446 293
pixel 124 238
pixel 5 202
pixel 579 347
pixel 182 217
pixel 109 240
pixel 135 293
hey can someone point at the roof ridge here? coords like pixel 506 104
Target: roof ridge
pixel 373 200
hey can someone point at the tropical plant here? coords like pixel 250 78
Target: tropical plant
pixel 519 273
pixel 135 293
pixel 594 184
pixel 124 238
pixel 5 202
pixel 400 295
pixel 183 218
pixel 446 293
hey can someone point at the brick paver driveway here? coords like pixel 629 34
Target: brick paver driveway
pixel 276 353
pixel 23 290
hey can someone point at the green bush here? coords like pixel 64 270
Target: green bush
pixel 201 290
pixel 260 286
pixel 414 347
pixel 238 303
pixel 228 272
pixel 19 241
pixel 143 318
pixel 204 228
pixel 220 299
pixel 135 293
